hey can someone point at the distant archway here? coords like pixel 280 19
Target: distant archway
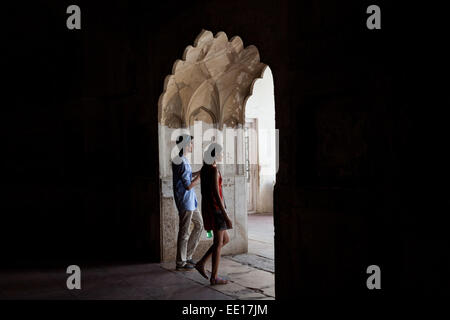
pixel 260 143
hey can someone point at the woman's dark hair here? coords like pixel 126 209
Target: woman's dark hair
pixel 208 171
pixel 210 154
pixel 206 176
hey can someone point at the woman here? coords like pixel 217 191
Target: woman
pixel 214 212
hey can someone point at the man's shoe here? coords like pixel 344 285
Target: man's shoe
pixel 190 261
pixel 186 267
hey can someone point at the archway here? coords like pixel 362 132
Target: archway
pixel 260 167
pixel 208 88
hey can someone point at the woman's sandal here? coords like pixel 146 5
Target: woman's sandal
pixel 218 280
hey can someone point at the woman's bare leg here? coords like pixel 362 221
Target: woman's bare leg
pixel 218 243
pixel 221 238
pixel 200 265
pixel 226 238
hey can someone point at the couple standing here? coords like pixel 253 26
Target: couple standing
pixel 214 214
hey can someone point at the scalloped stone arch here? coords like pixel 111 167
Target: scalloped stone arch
pixel 215 73
pixel 255 82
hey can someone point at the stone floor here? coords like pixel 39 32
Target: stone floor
pixel 249 277
pixel 261 235
pixel 260 243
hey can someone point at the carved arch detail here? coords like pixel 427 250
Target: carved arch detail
pixel 212 81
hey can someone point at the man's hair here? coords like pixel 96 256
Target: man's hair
pixel 180 139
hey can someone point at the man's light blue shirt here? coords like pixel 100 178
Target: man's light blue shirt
pixel 182 177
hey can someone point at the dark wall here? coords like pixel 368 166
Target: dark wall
pixel 363 164
pixel 362 125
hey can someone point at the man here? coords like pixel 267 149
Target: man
pixel 184 182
